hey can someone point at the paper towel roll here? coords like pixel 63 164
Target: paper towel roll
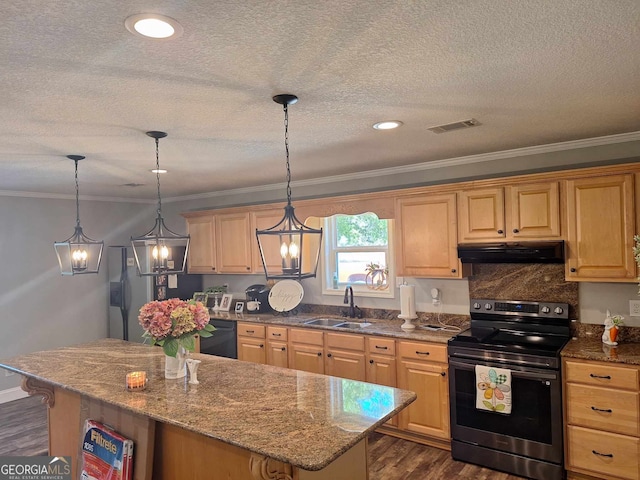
pixel 407 301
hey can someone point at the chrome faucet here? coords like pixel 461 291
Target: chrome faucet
pixel 348 298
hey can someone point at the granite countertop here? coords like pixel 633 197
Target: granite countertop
pixel 381 327
pixel 304 419
pixel 592 348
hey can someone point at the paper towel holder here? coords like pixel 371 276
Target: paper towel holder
pixel 407 325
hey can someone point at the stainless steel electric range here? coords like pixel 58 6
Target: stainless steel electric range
pixel 525 338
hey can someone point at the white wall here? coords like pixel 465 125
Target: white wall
pixel 39 308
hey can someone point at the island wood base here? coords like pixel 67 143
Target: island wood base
pixel 167 452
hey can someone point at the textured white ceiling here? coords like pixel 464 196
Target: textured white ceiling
pixel 73 80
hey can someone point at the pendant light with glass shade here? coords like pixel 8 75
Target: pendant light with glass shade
pixel 78 254
pixel 299 245
pixel 160 251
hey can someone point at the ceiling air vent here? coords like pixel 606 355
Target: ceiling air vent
pixel 448 127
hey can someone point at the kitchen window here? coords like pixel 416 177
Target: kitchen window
pixel 357 252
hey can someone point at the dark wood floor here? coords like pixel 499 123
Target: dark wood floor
pixel 23 432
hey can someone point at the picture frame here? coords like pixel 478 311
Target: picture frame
pixel 200 297
pixel 239 308
pixel 161 293
pixel 211 301
pixel 161 280
pixel 225 303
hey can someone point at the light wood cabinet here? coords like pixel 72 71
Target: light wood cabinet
pixel 306 350
pixel 382 366
pixel 251 343
pixel 202 252
pixel 522 211
pixel 601 225
pixel 261 220
pixel 345 356
pixel 602 413
pixel 233 243
pixel 277 351
pixel 426 233
pixel 420 370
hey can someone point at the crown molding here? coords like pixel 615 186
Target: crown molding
pixel 64 196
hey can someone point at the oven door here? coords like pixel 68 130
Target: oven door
pixel 223 342
pixel 534 426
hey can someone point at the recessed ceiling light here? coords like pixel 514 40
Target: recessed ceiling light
pixel 162 170
pixel 153 25
pixel 387 125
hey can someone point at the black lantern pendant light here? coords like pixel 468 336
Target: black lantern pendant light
pixel 78 254
pixel 299 245
pixel 160 251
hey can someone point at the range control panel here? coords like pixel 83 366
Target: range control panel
pixel 508 308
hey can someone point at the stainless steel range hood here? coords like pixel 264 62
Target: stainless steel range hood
pixel 512 252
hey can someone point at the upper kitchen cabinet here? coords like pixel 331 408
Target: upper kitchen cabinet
pixel 233 243
pixel 601 225
pixel 527 211
pixel 261 220
pixel 202 253
pixel 426 236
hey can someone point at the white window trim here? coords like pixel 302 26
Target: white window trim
pixel 362 291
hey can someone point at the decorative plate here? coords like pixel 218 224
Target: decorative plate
pixel 285 295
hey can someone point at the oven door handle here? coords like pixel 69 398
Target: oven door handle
pixel 514 373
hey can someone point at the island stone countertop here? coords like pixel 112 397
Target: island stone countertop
pixel 380 327
pixel 304 419
pixel 592 348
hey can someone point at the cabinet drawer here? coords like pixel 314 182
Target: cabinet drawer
pixel 604 375
pixel 381 346
pixel 423 351
pixel 345 341
pixel 602 408
pixel 602 453
pixel 308 336
pixel 250 330
pixel 277 333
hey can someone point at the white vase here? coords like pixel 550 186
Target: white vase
pixel 175 367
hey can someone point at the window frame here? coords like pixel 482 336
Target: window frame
pixel 328 259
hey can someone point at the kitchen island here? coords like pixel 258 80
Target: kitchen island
pixel 242 421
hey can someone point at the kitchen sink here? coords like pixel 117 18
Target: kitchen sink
pixel 324 322
pixel 353 325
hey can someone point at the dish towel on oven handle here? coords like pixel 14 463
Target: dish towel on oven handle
pixel 493 389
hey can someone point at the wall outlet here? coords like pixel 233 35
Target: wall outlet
pixel 634 308
pixel 130 262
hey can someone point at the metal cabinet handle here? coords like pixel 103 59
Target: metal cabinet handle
pixel 453 270
pixel 605 410
pixel 319 354
pixel 421 353
pixel 261 345
pixel 500 232
pixel 371 362
pixel 515 230
pixel 283 349
pixel 382 348
pixel 213 268
pixel 276 334
pixel 248 268
pixel 444 374
pixel 572 270
pixel 329 355
pixel 250 331
pixel 610 455
pixel 606 377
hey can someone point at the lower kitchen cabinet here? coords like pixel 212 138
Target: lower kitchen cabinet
pixel 345 356
pixel 422 368
pixel 251 343
pixel 382 366
pixel 602 412
pixel 306 350
pixel 277 351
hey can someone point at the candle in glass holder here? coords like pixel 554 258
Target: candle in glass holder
pixel 136 381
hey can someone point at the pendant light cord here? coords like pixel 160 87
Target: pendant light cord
pixel 158 175
pixel 286 147
pixel 77 197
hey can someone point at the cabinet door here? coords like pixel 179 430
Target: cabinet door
pixel 308 358
pixel 381 370
pixel 262 220
pixel 251 350
pixel 600 229
pixel 481 214
pixel 345 364
pixel 233 248
pixel 429 414
pixel 533 211
pixel 427 239
pixel 277 354
pixel 202 252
